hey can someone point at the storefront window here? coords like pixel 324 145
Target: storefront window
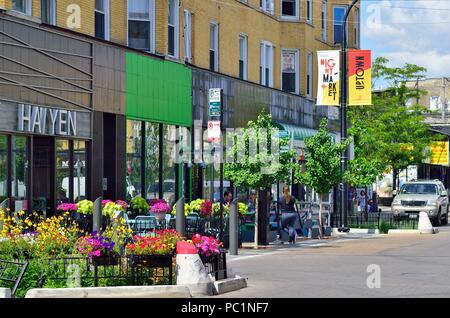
pixel 152 160
pixel 134 135
pixel 62 171
pixel 20 172
pixel 79 170
pixel 169 139
pixel 3 168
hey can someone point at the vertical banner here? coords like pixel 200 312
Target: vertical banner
pixel 328 78
pixel 359 78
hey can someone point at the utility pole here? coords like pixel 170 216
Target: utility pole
pixel 443 98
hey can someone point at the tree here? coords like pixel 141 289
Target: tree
pixel 255 164
pixel 323 163
pixel 389 134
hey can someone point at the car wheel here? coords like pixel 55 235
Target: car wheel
pixel 437 220
pixel 445 220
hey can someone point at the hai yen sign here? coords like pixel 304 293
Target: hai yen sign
pixel 46 121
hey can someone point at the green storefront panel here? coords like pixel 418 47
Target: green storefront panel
pixel 158 90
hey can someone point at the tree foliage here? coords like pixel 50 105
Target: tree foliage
pixel 322 161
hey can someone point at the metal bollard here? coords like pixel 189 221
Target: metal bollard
pixel 180 217
pixel 234 228
pixel 97 215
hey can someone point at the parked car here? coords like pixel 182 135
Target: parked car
pixel 427 196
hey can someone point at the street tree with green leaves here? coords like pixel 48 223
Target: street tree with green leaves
pixel 257 162
pixel 323 164
pixel 391 134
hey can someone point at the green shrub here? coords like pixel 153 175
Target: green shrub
pixel 384 227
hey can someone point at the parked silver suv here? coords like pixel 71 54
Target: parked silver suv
pixel 422 196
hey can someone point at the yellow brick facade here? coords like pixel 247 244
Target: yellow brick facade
pixel 233 17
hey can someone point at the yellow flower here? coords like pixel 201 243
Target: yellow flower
pixel 21 213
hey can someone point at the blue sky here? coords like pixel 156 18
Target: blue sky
pixel 408 31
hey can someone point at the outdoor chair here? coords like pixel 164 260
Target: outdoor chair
pixel 144 224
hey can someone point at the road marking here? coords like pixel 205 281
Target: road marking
pixel 251 256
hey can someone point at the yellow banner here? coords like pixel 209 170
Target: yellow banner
pixel 359 78
pixel 439 153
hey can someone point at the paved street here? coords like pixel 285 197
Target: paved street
pixel 411 266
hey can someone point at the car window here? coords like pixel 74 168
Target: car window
pixel 419 188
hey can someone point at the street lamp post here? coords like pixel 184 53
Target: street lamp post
pixel 343 116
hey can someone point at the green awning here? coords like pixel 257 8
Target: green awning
pixel 299 133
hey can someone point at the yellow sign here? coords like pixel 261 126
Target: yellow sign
pixel 359 77
pixel 439 153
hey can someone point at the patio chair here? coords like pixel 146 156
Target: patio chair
pixel 144 224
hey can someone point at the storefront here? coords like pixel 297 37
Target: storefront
pixel 159 116
pixel 45 116
pixel 43 155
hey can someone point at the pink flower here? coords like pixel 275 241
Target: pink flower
pixel 160 207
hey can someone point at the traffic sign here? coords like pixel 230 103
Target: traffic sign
pixel 215 102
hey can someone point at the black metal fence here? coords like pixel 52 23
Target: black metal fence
pixel 118 271
pixel 378 220
pixel 11 274
pixel 216 265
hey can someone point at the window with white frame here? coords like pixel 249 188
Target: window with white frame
pixel 289 8
pixel 141 34
pixel 309 75
pixel 289 70
pixel 243 56
pixel 173 28
pixel 102 19
pixel 309 11
pixel 48 11
pixel 187 36
pixel 324 20
pixel 338 23
pixel 267 6
pixel 356 28
pixel 266 64
pixel 23 6
pixel 214 47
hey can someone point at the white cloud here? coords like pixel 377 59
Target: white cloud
pixel 404 35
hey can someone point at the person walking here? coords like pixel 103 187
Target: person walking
pixel 288 214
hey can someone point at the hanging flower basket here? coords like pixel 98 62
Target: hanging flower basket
pixel 108 260
pixel 150 261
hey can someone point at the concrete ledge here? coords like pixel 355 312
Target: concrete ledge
pixel 112 292
pixel 357 231
pixel 5 293
pixel 230 284
pixel 403 231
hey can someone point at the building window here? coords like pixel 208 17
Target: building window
pixel 48 11
pixel 79 170
pixel 289 71
pixel 23 6
pixel 214 47
pixel 243 57
pixel 338 23
pixel 309 11
pixel 152 164
pixel 266 64
pixel 102 19
pixel 169 142
pixel 324 20
pixel 140 24
pixel 289 8
pixel 173 28
pixel 19 173
pixel 134 158
pixel 267 6
pixel 356 28
pixel 187 36
pixel 62 171
pixel 309 75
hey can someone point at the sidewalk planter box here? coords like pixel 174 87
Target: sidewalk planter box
pixel 151 261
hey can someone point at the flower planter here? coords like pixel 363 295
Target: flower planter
pixel 151 261
pixel 105 260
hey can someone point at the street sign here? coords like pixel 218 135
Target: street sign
pixel 283 134
pixel 214 131
pixel 215 102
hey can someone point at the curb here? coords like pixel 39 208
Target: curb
pixel 356 231
pixel 403 231
pixel 5 293
pixel 112 292
pixel 230 284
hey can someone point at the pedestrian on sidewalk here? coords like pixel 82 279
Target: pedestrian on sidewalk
pixel 288 214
